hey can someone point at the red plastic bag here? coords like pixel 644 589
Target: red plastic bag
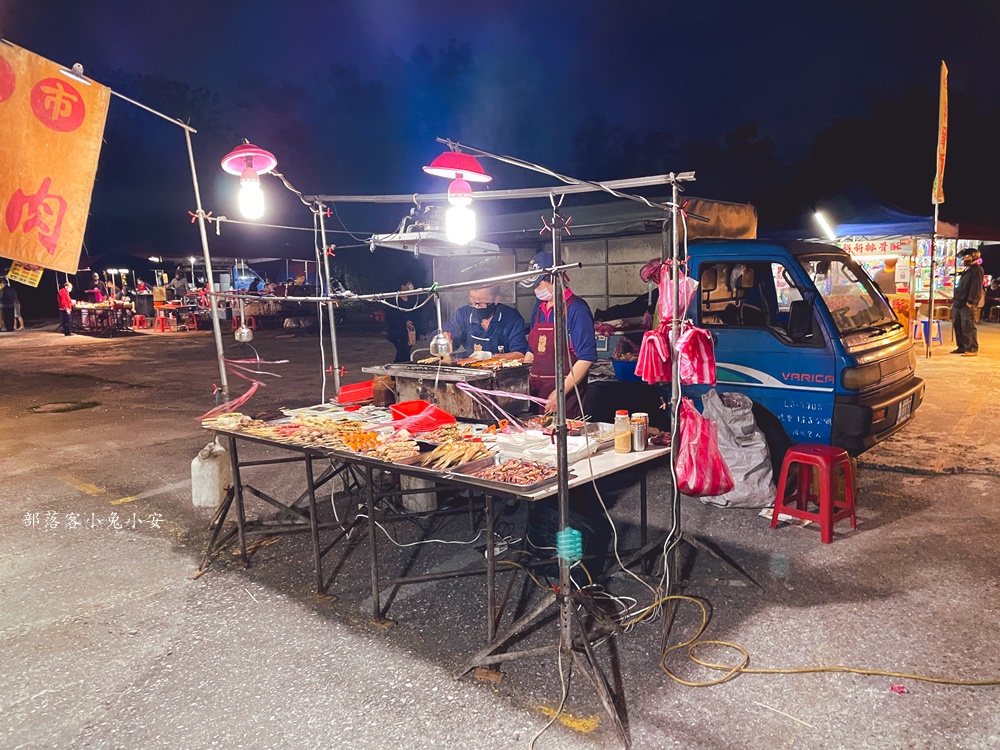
pixel 701 470
pixel 687 287
pixel 653 364
pixel 695 355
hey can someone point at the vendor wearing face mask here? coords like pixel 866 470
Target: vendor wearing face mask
pixel 487 325
pixel 582 343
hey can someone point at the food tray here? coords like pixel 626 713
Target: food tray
pixel 503 487
pixel 414 462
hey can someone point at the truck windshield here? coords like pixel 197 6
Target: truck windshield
pixel 849 294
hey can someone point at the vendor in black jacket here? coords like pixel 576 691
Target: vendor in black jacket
pixel 968 290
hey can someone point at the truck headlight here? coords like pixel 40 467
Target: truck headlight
pixel 857 378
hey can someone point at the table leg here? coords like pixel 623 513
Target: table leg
pixel 238 490
pixel 491 566
pixel 643 520
pixel 314 524
pixel 373 552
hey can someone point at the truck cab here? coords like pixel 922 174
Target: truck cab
pixel 802 330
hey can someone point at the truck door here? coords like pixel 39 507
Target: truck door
pixel 769 343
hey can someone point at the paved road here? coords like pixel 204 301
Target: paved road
pixel 106 641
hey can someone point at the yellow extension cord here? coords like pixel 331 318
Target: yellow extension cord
pixel 742 668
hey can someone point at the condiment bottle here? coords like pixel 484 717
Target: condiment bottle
pixel 623 432
pixel 639 433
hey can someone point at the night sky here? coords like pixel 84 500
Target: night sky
pixel 350 95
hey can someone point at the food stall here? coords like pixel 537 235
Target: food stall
pixel 103 319
pixel 363 443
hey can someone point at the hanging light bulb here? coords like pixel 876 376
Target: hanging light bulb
pixel 460 220
pixel 250 162
pixel 460 225
pixel 251 195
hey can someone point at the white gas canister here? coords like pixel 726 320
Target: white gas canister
pixel 211 476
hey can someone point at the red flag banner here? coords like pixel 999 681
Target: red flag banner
pixel 52 127
pixel 937 193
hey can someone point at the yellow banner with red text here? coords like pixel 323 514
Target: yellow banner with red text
pixel 52 123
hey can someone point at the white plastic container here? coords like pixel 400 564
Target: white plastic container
pixel 211 476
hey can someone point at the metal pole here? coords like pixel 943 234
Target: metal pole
pixel 213 308
pixel 562 464
pixel 329 304
pixel 473 283
pixel 930 293
pixel 675 379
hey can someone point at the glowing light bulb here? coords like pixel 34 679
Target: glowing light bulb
pixel 460 225
pixel 251 195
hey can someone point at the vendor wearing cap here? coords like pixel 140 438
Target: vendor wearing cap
pixel 582 343
pixel 968 292
pixel 486 325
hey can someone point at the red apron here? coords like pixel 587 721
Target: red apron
pixel 542 380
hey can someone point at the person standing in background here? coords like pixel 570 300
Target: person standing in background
pixel 66 308
pixel 968 290
pixel 8 299
pixel 178 286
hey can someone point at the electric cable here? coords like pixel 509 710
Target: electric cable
pixel 421 541
pixel 349 232
pixel 732 670
pixel 562 702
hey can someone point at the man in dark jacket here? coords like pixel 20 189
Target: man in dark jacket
pixel 968 290
pixel 8 299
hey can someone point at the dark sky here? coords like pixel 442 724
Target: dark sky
pixel 538 71
pixel 792 66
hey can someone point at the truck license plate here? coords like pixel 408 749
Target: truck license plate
pixel 905 409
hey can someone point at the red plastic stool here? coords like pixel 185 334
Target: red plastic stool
pixel 162 324
pixel 251 322
pixel 826 459
pixel 139 321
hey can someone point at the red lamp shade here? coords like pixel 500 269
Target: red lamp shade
pixel 260 161
pixel 453 165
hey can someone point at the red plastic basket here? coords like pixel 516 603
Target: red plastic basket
pixel 420 416
pixel 352 394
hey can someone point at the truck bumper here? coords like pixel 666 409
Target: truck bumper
pixel 861 421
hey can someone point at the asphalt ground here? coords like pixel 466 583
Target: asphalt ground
pixel 107 640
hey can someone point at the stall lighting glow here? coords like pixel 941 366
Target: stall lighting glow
pixel 155 258
pixel 825 225
pixel 251 195
pixel 460 224
pixel 250 162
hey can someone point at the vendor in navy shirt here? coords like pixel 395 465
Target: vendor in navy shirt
pixel 582 342
pixel 486 325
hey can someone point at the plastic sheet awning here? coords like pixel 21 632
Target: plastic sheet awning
pixel 620 217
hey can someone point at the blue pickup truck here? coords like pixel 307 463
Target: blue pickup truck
pixel 803 331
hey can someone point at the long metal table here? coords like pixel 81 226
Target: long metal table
pixel 359 474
